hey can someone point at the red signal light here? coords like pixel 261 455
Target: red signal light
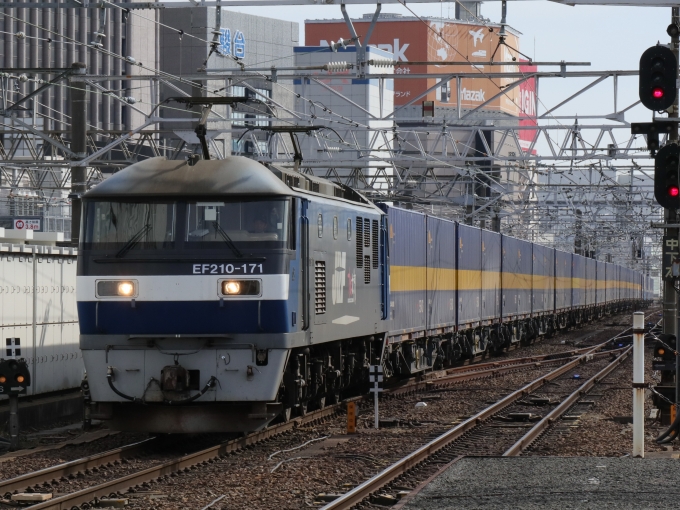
pixel 673 191
pixel 657 93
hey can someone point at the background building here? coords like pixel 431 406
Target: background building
pixel 461 113
pixel 256 41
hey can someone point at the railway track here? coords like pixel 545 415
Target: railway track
pixel 42 481
pixel 408 475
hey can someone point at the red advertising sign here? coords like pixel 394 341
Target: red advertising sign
pixel 527 113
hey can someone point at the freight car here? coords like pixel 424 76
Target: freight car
pixel 218 295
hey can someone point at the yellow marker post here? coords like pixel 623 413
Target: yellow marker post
pixel 351 418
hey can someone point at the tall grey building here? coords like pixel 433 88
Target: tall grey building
pixel 56 38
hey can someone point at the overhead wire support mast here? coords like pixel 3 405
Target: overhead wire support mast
pixel 674 32
pixel 207 104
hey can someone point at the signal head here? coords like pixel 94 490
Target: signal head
pixel 658 76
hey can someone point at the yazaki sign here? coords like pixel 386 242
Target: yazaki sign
pixel 437 41
pixel 26 224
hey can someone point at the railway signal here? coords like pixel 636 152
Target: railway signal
pixel 658 75
pixel 15 377
pixel 375 376
pixel 667 177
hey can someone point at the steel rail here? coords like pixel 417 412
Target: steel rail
pixel 72 467
pixel 359 493
pixel 68 501
pixel 187 461
pixel 467 372
pixel 564 406
pixel 86 495
pixel 470 375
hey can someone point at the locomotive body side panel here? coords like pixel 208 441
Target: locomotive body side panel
pixel 345 271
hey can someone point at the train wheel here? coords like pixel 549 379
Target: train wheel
pixel 302 408
pixel 322 402
pixel 286 414
pixel 334 398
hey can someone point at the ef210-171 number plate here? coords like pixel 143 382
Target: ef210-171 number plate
pixel 244 268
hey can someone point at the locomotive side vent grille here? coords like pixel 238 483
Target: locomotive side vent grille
pixel 367 233
pixel 367 269
pixel 374 240
pixel 320 286
pixel 360 241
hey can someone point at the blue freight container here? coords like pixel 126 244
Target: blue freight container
pixel 563 281
pixel 591 281
pixel 441 276
pixel 543 287
pixel 469 275
pixel 491 276
pixel 516 277
pixel 408 271
pixel 612 282
pixel 578 281
pixel 601 284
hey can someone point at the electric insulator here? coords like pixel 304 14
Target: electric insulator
pixel 20 35
pixel 382 62
pixel 336 66
pixel 23 78
pixel 129 100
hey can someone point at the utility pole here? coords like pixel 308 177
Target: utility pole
pixel 669 291
pixel 670 300
pixel 79 102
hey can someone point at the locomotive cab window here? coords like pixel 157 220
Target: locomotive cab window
pixel 129 225
pixel 256 223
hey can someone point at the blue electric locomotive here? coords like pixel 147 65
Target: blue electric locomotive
pixel 218 295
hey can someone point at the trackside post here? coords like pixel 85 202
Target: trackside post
pixel 638 384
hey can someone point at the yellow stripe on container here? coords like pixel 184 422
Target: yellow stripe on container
pixel 407 278
pixel 516 281
pixel 439 278
pixel 469 279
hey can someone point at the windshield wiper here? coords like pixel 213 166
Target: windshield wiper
pixel 133 241
pixel 227 239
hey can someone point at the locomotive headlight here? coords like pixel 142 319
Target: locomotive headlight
pixel 3 379
pixel 116 288
pixel 126 289
pixel 20 378
pixel 240 287
pixel 231 287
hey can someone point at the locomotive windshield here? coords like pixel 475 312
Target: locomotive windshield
pixel 130 225
pixel 210 224
pixel 123 226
